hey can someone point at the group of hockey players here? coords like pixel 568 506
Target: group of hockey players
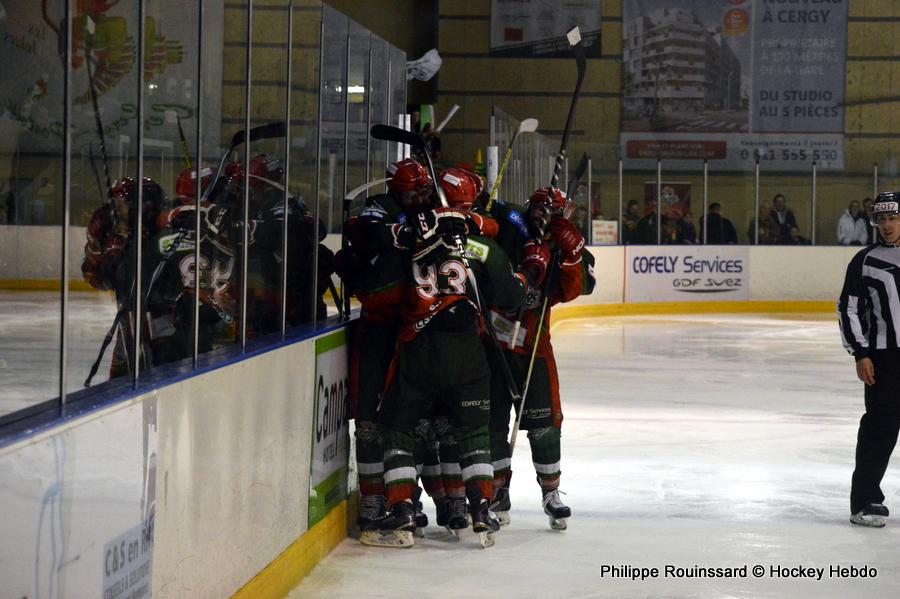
pixel 452 287
pixel 169 261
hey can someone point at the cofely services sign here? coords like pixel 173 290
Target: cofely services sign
pixel 686 274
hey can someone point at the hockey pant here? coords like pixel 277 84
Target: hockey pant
pixel 878 430
pixel 448 368
pixel 542 418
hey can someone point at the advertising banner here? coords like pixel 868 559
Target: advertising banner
pixel 331 438
pixel 734 81
pixel 104 50
pixel 686 273
pixel 537 28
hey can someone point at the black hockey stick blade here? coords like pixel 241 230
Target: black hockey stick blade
pixel 575 179
pixel 268 131
pixel 396 134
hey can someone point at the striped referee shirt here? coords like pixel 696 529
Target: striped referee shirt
pixel 869 307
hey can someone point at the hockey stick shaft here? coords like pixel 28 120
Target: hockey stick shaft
pixel 184 144
pixel 95 103
pixel 496 188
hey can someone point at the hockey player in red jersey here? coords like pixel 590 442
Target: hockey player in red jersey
pixel 105 267
pixel 546 219
pixel 440 357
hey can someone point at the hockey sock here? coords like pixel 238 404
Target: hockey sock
pixel 399 467
pixel 545 454
pixel 500 459
pixel 432 479
pixel 451 473
pixel 475 460
pixel 369 456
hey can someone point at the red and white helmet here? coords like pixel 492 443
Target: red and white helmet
pixel 408 175
pixel 265 170
pixel 186 184
pixel 552 199
pixel 460 187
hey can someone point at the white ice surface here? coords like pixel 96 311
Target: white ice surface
pixel 29 344
pixel 714 441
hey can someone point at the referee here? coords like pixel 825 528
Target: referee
pixel 869 311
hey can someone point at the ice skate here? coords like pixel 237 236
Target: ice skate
pixel 501 505
pixel 395 529
pixel 442 511
pixel 421 516
pixel 873 515
pixel 371 508
pixel 558 512
pixel 457 518
pixel 483 524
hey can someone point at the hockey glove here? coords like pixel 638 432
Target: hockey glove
pixel 433 251
pixel 567 237
pixel 535 261
pixel 442 222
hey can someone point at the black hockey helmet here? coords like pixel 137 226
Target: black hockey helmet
pixel 887 203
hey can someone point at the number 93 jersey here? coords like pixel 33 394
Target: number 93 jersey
pixel 431 290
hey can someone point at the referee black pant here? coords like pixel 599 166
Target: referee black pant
pixel 878 430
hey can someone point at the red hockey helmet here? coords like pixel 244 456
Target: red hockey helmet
pixel 552 199
pixel 265 170
pixel 186 184
pixel 408 175
pixel 459 187
pixel 153 197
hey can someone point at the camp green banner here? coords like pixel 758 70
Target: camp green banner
pixel 331 438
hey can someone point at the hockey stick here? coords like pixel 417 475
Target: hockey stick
pixel 184 144
pixel 348 203
pixel 95 103
pixel 574 37
pixel 388 133
pixel 526 126
pixel 446 120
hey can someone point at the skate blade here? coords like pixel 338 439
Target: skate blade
pixel 420 533
pixel 871 521
pixel 486 539
pixel 503 518
pixel 453 532
pixel 558 523
pixel 396 538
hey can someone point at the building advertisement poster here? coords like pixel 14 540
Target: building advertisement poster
pixel 331 435
pixel 733 81
pixel 537 28
pixel 686 273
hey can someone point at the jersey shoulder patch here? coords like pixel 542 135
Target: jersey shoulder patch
pixel 516 219
pixel 477 250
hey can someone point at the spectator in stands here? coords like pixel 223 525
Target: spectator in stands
pixel 768 231
pixel 580 220
pixel 686 229
pixel 721 230
pixel 630 221
pixel 782 218
pixel 646 231
pixel 871 230
pixel 851 230
pixel 795 239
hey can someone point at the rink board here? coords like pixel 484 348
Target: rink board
pixel 191 489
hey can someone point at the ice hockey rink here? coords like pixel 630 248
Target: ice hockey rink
pixel 699 440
